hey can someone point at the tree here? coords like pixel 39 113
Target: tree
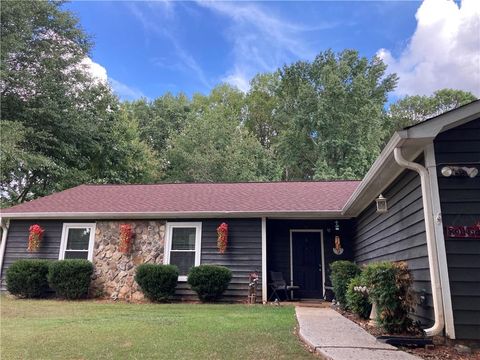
pixel 411 110
pixel 330 115
pixel 215 146
pixel 262 104
pixel 60 122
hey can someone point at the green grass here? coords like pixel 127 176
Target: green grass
pixel 49 329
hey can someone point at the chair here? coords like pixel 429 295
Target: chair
pixel 279 284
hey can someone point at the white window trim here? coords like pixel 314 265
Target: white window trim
pixel 198 242
pixel 63 243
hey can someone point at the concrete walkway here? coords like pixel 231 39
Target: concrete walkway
pixel 336 338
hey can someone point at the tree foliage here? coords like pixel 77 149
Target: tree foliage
pixel 61 127
pixel 411 110
pixel 320 119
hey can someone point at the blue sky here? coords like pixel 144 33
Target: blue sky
pixel 149 48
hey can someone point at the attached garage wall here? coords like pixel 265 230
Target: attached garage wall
pixel 460 204
pixel 398 234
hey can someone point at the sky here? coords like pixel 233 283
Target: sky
pixel 146 49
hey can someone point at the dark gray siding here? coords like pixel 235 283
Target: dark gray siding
pixel 17 241
pixel 460 204
pixel 243 255
pixel 278 243
pixel 398 234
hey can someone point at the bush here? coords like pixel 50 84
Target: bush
pixel 209 281
pixel 70 278
pixel 342 272
pixel 158 282
pixel 28 278
pixel 357 301
pixel 390 287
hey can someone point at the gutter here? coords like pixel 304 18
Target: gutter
pixel 5 225
pixel 439 323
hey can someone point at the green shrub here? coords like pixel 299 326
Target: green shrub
pixel 390 287
pixel 70 278
pixel 28 278
pixel 342 272
pixel 357 301
pixel 209 281
pixel 158 282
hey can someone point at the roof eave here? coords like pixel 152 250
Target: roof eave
pixel 326 214
pixel 413 141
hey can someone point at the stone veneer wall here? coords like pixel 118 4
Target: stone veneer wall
pixel 115 271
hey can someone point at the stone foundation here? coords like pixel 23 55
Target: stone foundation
pixel 115 271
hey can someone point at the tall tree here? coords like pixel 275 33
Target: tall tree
pixel 61 121
pixel 215 145
pixel 411 110
pixel 331 115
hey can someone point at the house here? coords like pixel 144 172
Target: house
pixel 428 174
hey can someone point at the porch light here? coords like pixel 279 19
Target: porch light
pixel 337 225
pixel 381 204
pixel 448 171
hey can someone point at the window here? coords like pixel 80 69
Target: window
pixel 77 241
pixel 183 246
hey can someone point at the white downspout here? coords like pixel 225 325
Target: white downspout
pixel 438 326
pixel 5 225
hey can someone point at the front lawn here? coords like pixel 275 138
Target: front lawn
pixel 50 329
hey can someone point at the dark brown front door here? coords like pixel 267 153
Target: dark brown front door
pixel 307 264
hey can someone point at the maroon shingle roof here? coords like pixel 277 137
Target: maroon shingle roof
pixel 192 198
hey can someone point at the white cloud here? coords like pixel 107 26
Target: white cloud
pixel 99 73
pixel 262 41
pixel 152 20
pixel 444 51
pixel 124 91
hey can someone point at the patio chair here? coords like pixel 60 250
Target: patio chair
pixel 279 285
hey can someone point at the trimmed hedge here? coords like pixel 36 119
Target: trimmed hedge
pixel 358 302
pixel 158 282
pixel 28 278
pixel 209 281
pixel 70 278
pixel 390 287
pixel 342 272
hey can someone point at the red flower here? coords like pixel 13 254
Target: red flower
pixel 222 232
pixel 126 235
pixel 34 237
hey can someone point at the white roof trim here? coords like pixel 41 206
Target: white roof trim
pixel 323 214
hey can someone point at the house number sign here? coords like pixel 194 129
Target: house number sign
pixel 464 232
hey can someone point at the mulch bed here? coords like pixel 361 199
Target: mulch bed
pixel 440 351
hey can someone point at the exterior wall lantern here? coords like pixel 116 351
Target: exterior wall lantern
pixel 448 171
pixel 381 204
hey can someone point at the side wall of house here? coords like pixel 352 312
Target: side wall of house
pixel 114 271
pixel 398 234
pixel 460 205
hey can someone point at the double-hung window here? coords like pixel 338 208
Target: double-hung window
pixel 77 241
pixel 183 246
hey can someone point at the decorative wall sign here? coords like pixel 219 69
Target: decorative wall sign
pixel 337 250
pixel 463 232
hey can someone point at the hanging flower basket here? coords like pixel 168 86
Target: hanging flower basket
pixel 126 235
pixel 35 237
pixel 222 232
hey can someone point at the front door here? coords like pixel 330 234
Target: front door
pixel 307 264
